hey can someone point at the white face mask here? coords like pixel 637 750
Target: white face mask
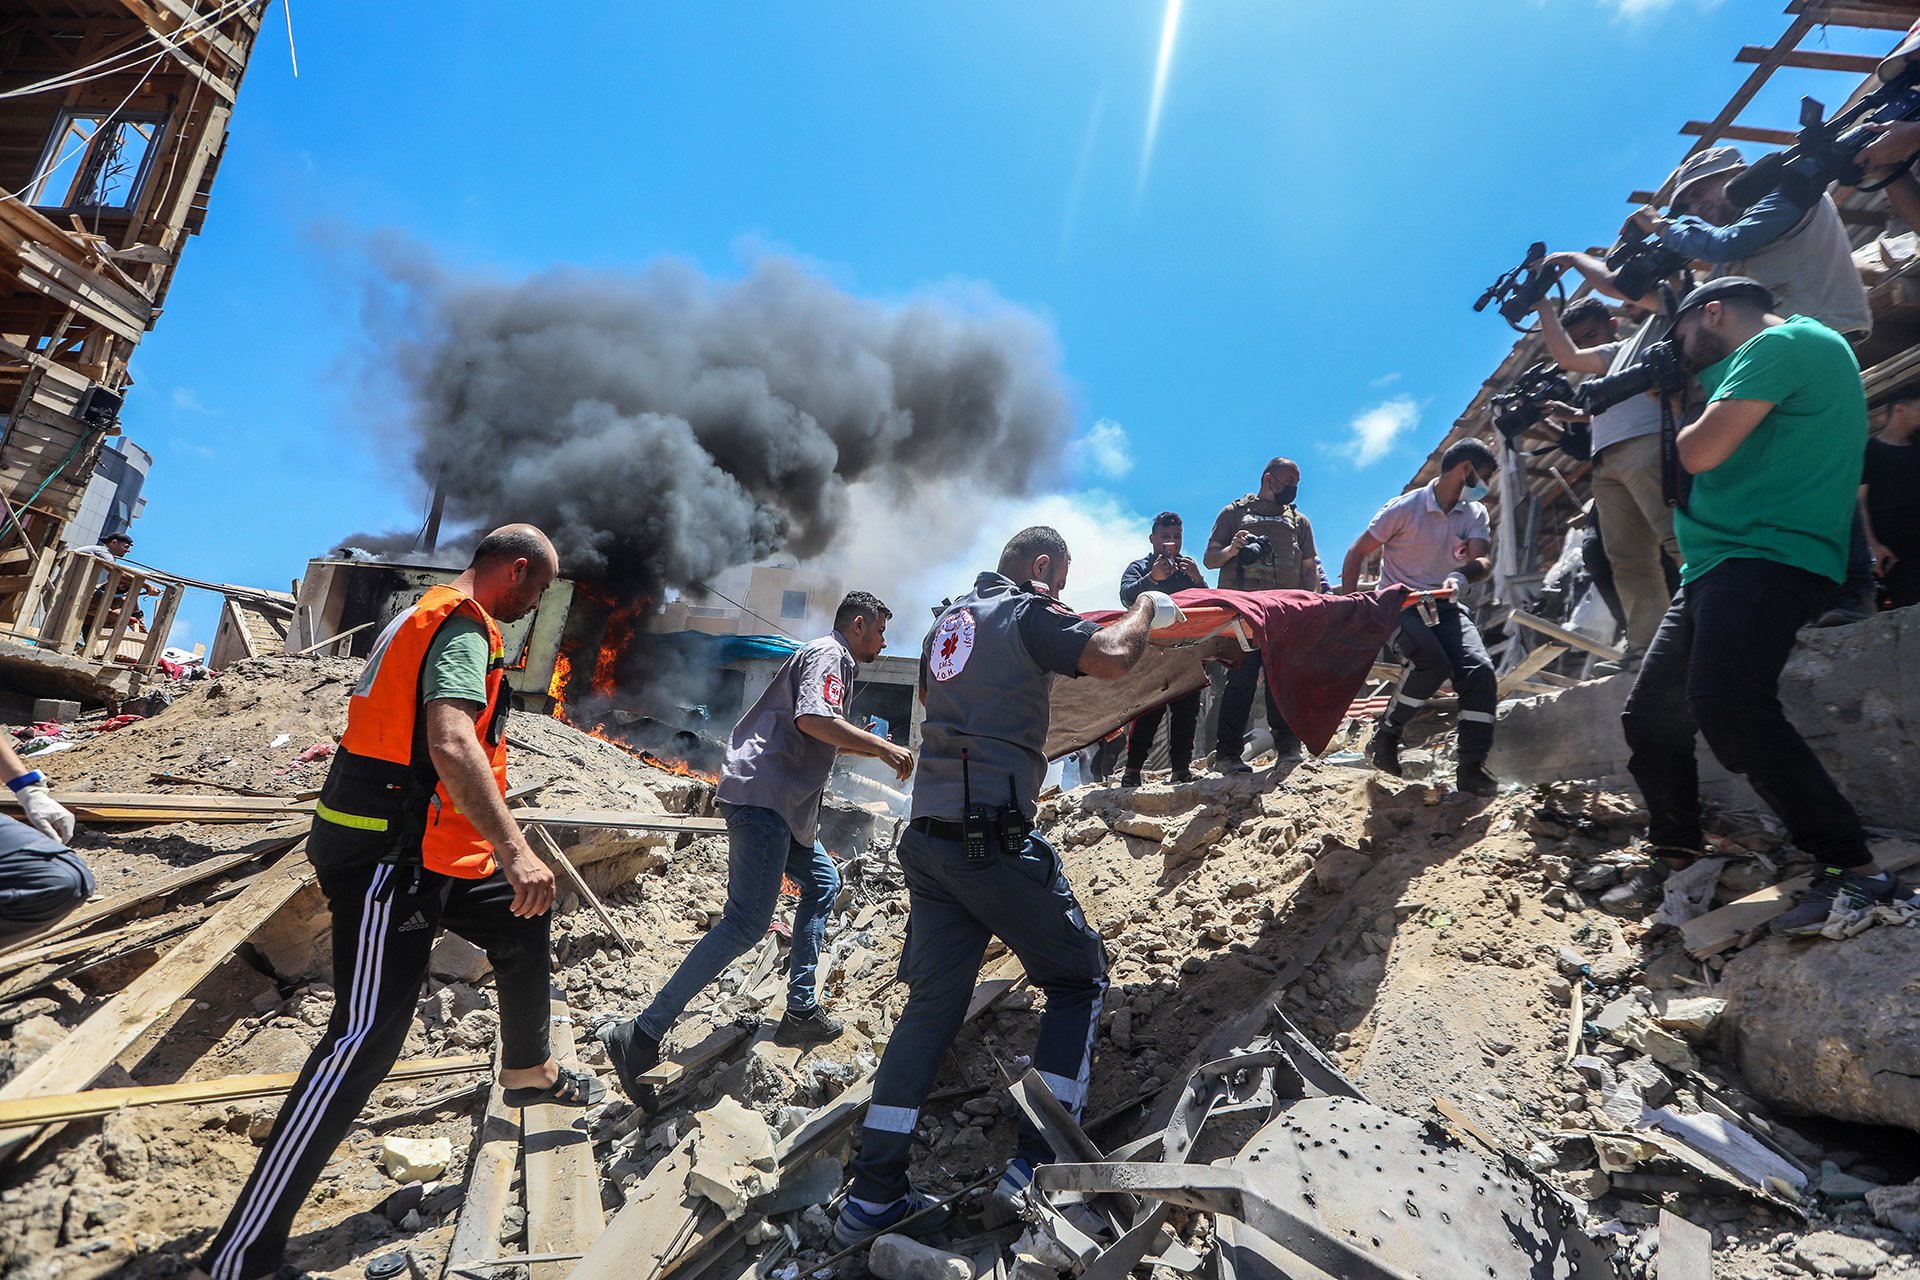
pixel 1473 492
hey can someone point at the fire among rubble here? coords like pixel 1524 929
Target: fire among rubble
pixel 604 719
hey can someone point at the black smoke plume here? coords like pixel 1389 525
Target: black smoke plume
pixel 663 425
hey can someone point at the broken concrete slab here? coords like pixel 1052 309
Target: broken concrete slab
pixel 1897 1208
pixel 898 1257
pixel 733 1157
pixel 1828 1253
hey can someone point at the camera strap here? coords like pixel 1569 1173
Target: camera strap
pixel 1675 483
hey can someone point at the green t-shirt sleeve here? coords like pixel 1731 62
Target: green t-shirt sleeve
pixel 1771 367
pixel 456 665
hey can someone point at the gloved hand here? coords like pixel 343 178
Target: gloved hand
pixel 1458 581
pixel 45 814
pixel 1165 611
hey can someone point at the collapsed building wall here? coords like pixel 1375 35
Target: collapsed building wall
pixel 1853 692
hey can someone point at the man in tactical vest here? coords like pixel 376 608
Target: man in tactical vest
pixel 411 833
pixel 1260 543
pixel 974 868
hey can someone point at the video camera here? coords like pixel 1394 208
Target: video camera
pixel 1519 291
pixel 1522 405
pixel 1825 149
pixel 1640 264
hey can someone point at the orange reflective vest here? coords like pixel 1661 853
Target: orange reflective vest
pixel 383 800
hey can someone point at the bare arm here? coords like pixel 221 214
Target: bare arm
pixel 1904 195
pixel 1479 560
pixel 1363 546
pixel 1115 649
pixel 1569 357
pixel 1721 428
pixel 1218 553
pixel 11 766
pixel 468 778
pixel 855 741
pixel 1597 273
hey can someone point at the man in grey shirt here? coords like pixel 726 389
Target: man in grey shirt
pixel 1636 523
pixel 1433 537
pixel 770 790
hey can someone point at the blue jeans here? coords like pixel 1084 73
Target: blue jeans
pixel 762 851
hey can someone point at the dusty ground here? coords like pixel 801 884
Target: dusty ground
pixel 1464 926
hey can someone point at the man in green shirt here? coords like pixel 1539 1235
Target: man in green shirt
pixel 1775 457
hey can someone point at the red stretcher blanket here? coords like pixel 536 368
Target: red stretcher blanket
pixel 1317 651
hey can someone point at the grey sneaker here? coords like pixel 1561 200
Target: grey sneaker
pixel 1846 611
pixel 808 1026
pixel 1647 887
pixel 1835 891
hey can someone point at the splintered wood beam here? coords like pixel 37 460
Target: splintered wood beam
pixel 1560 635
pixel 1865 16
pixel 92 1047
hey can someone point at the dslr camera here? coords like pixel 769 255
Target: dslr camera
pixel 1659 368
pixel 1258 548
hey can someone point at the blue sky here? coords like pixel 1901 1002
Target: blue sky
pixel 1289 271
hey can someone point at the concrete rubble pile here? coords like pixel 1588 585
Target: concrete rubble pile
pixel 1353 1021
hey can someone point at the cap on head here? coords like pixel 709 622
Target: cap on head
pixel 119 537
pixel 1727 289
pixel 1904 394
pixel 1700 166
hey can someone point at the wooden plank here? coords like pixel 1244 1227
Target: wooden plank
pixel 58 1107
pixel 184 878
pixel 719 1042
pixel 102 806
pixel 1576 1020
pixel 1859 64
pixel 1686 1251
pixel 561 1181
pixel 94 1045
pixel 1739 133
pixel 496 1151
pixel 585 890
pixel 1560 635
pixel 1537 660
pixel 1721 928
pixel 650 1226
pixel 621 820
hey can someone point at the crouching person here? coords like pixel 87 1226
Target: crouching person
pixel 41 879
pixel 412 834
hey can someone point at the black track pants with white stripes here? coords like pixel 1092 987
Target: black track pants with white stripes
pixel 385 920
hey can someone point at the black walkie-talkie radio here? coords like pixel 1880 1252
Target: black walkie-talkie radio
pixel 973 823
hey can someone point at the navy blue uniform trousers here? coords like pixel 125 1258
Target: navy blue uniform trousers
pixel 955 906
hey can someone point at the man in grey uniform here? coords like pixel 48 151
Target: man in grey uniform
pixel 974 868
pixel 770 789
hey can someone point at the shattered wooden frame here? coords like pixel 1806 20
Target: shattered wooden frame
pixel 80 286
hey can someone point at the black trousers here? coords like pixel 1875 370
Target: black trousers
pixel 1451 647
pixel 385 920
pixel 954 907
pixel 1186 716
pixel 1714 666
pixel 1236 708
pixel 40 880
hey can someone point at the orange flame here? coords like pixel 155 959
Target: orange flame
pixel 557 687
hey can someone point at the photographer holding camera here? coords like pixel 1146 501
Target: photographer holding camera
pixel 1776 457
pixel 1260 542
pixel 1162 569
pixel 1628 497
